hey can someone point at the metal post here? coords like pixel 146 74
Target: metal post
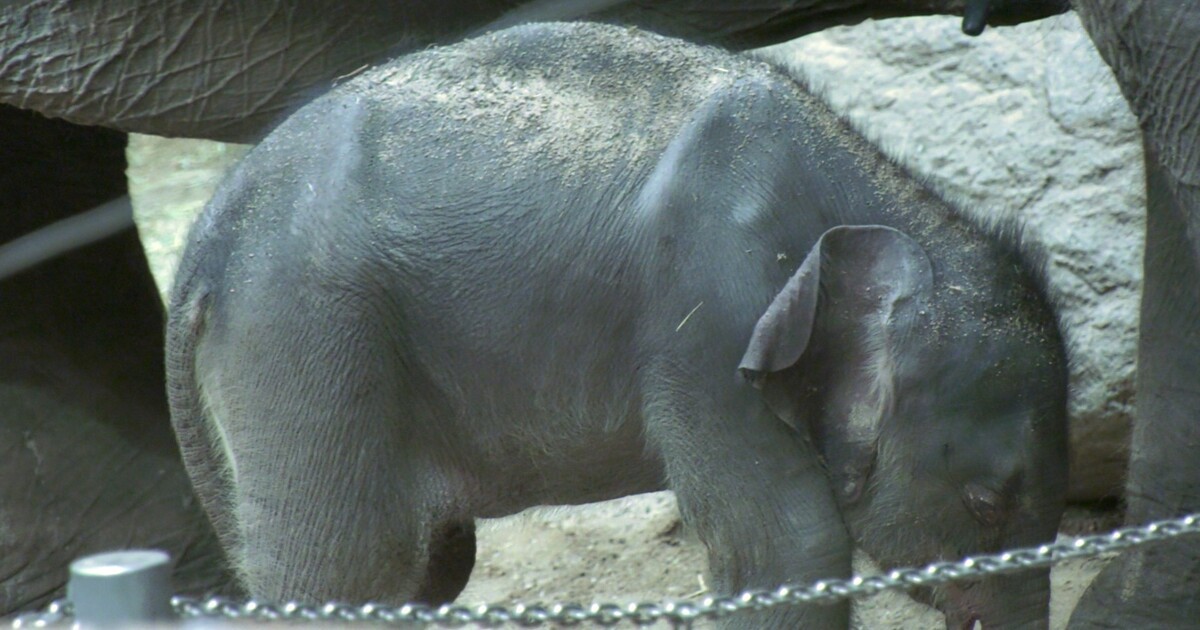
pixel 121 588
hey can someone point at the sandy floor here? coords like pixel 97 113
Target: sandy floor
pixel 627 550
pixel 633 549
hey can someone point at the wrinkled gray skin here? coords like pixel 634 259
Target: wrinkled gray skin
pixel 229 71
pixel 87 457
pixel 1152 48
pixel 568 263
pixel 221 71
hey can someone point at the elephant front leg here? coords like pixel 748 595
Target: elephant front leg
pixel 756 494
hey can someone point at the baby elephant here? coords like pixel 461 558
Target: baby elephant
pixel 566 263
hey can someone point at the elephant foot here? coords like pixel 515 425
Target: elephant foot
pixel 1154 587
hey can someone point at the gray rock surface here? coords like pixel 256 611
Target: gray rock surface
pixel 1026 121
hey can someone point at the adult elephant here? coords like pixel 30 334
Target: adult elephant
pixel 91 322
pixel 1154 49
pixel 87 459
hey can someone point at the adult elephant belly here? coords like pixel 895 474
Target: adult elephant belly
pixel 230 72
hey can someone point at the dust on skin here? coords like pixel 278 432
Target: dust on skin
pixel 631 549
pixel 626 550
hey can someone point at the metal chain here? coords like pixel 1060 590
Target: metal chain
pixel 679 613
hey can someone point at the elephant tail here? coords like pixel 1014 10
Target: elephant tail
pixel 200 444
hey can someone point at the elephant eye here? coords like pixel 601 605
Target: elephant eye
pixel 985 505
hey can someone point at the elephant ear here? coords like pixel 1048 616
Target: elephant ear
pixel 781 334
pixel 870 285
pixel 872 271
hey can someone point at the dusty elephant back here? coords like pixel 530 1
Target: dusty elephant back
pixel 544 101
pixel 560 113
pixel 571 117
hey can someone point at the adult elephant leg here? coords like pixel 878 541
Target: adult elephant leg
pixel 1160 585
pixel 1153 49
pixel 87 458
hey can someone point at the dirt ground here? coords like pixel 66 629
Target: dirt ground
pixel 631 549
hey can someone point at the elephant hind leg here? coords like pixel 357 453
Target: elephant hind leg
pixel 332 515
pixel 451 559
pixel 332 497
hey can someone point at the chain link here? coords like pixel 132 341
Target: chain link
pixel 679 613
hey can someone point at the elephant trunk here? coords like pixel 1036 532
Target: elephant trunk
pixel 980 13
pixel 975 16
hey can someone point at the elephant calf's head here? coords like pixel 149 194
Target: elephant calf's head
pixel 937 399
